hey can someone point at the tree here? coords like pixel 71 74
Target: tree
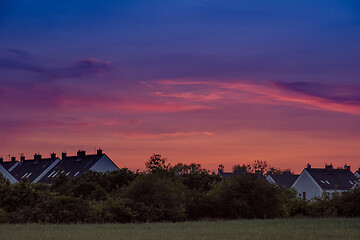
pixel 260 166
pixel 156 162
pixel 158 165
pixel 115 180
pixel 241 168
pixel 194 176
pixel 257 167
pixel 273 170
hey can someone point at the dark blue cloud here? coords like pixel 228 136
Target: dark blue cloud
pixel 22 60
pixel 349 94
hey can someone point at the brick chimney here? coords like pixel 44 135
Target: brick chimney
pixel 22 159
pixel 308 166
pixel 221 169
pixel 37 156
pixel 13 159
pixel 1 160
pixel 63 156
pixel 99 152
pixel 81 153
pixel 346 167
pixel 53 155
pixel 328 166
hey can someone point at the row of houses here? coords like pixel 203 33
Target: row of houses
pixel 313 182
pixel 44 170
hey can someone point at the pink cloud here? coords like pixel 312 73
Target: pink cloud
pixel 261 93
pixel 212 96
pixel 131 105
pixel 164 135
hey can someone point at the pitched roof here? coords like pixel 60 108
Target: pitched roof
pixel 285 180
pixel 329 178
pixel 9 165
pixel 230 174
pixel 227 174
pixel 31 169
pixel 72 166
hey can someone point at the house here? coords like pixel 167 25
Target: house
pixel 313 182
pixel 285 180
pixel 45 169
pixel 34 169
pixel 74 166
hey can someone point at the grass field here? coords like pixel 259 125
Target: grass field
pixel 219 230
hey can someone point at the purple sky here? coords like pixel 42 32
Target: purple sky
pixel 197 81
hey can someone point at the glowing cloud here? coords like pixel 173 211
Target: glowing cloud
pixel 268 93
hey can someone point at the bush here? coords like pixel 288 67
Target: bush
pixel 350 203
pixel 61 209
pixel 198 205
pixel 17 196
pixel 156 198
pixel 111 210
pixel 292 205
pixel 326 206
pixel 246 196
pixel 3 216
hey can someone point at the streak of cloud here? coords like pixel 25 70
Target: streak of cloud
pixel 338 98
pixel 164 135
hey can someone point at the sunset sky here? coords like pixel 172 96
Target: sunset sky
pixel 197 81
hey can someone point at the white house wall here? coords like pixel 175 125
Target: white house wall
pixel 270 179
pixel 7 175
pixel 104 164
pixel 305 183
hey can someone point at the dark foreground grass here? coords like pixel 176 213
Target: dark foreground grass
pixel 219 230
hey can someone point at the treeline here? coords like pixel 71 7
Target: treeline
pixel 162 193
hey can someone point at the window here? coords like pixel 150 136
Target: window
pixel 351 182
pixel 76 174
pixel 51 174
pixel 26 175
pixel 304 195
pixel 327 182
pixel 322 181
